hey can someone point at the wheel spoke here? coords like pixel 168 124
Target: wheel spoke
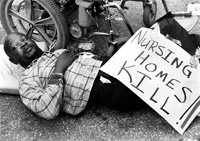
pixel 43 35
pixel 46 21
pixel 19 16
pixel 29 10
pixel 30 32
pixel 40 20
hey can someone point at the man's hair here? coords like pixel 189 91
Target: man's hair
pixel 7 41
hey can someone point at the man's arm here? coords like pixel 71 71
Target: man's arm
pixel 44 98
pixel 45 102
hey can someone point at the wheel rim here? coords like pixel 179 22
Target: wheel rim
pixel 29 15
pixel 75 30
pixel 149 14
pixel 153 10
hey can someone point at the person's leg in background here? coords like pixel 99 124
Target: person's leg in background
pixel 196 39
pixel 171 27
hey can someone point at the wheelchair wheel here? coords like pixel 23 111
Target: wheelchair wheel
pixel 149 13
pixel 39 19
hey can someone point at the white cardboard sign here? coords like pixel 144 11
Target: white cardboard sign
pixel 159 72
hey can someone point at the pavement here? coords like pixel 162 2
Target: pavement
pixel 97 123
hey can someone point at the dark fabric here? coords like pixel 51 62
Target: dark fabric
pixel 196 39
pixel 171 27
pixel 114 95
pixel 166 16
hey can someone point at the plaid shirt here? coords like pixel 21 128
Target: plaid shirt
pixel 69 95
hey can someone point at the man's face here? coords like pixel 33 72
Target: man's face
pixel 22 49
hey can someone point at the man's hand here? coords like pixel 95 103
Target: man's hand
pixel 65 60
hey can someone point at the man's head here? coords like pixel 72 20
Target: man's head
pixel 20 49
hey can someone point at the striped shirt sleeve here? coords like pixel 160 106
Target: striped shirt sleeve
pixel 42 94
pixel 45 102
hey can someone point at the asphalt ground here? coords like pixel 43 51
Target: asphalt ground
pixel 17 123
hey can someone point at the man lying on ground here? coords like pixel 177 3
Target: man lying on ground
pixel 70 80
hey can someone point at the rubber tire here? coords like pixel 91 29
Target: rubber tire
pixel 52 9
pixel 148 16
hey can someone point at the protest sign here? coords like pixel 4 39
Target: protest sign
pixel 159 72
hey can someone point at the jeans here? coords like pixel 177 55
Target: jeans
pixel 115 94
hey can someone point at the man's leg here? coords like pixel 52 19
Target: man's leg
pixel 171 27
pixel 115 95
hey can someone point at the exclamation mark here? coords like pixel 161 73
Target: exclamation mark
pixel 191 112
